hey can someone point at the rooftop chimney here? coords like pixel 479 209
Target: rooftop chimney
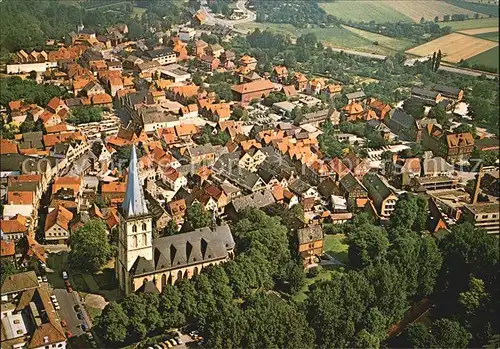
pixel 478 183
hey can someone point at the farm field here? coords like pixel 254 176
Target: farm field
pixel 471 24
pixel 479 31
pixel 137 11
pixel 390 43
pixel 488 58
pixel 357 10
pixel 483 8
pixel 335 37
pixel 427 9
pixel 488 36
pixel 454 47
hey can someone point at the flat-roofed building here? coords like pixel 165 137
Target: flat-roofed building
pixel 484 215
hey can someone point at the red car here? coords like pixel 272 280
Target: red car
pixel 69 289
pixel 67 283
pixel 68 334
pixel 63 323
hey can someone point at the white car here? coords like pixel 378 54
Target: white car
pixel 53 298
pixel 44 279
pixel 65 275
pixel 57 307
pixel 39 278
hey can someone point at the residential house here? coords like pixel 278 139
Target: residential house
pixel 279 74
pixel 199 48
pixel 300 81
pixel 15 228
pixel 332 90
pixel 359 167
pixel 451 93
pixel 173 178
pixel 259 199
pixel 403 125
pixel 251 159
pixel 427 97
pixel 453 147
pixel 93 88
pixel 57 226
pixel 252 90
pixel 355 97
pixel 381 195
pixel 248 62
pixel 113 192
pixel 177 210
pixel 379 107
pixel 163 56
pixel 208 62
pixel 310 244
pixel 353 191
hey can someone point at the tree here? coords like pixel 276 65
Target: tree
pixel 33 75
pixel 222 90
pixel 414 107
pixel 418 336
pixel 422 20
pixel 436 19
pixel 438 61
pixel 112 324
pixel 439 113
pixel 85 115
pixel 466 128
pixel 367 245
pixel 449 334
pixel 90 248
pixel 239 114
pixel 389 167
pixel 123 154
pixel 170 229
pixel 7 268
pixel 197 216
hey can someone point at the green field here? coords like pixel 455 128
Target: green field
pixel 137 11
pixel 337 37
pixel 385 41
pixel 365 11
pixel 476 7
pixel 488 58
pixel 493 36
pixel 336 246
pixel 471 24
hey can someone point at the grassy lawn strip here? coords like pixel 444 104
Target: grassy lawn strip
pixel 488 36
pixel 471 24
pixel 324 274
pixel 365 11
pixel 336 246
pixel 488 58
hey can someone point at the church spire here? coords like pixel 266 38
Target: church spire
pixel 134 203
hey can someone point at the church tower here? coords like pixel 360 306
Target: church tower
pixel 136 230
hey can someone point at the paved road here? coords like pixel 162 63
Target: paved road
pixel 67 302
pixel 211 19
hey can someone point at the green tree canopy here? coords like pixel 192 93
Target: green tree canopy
pixel 197 216
pixel 90 248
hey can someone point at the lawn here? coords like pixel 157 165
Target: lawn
pixel 336 37
pixel 102 282
pixel 488 36
pixel 324 274
pixel 488 58
pixel 336 246
pixel 366 11
pixel 382 40
pixel 471 24
pixel 137 12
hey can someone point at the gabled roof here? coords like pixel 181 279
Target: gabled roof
pixel 254 86
pixel 59 216
pixel 20 282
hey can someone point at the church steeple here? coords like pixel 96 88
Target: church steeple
pixel 134 203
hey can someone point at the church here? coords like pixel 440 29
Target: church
pixel 147 262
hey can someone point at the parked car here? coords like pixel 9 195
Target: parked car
pixel 173 342
pixel 57 307
pixel 53 298
pixel 63 323
pixel 84 327
pixel 157 346
pixel 79 316
pixel 179 341
pixel 65 275
pixel 68 334
pixel 77 308
pixel 168 344
pixel 70 290
pixel 45 279
pixel 39 278
pixel 90 336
